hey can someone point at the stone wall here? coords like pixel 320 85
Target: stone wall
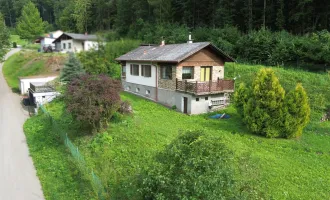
pixel 166 83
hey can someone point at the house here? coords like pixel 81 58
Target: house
pixel 41 93
pixel 24 82
pixel 72 42
pixel 188 77
pixel 48 39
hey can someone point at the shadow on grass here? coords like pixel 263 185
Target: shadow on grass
pixel 15 90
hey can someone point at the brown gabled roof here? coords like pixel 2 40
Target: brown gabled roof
pixel 170 53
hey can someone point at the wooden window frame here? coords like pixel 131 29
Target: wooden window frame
pixel 132 69
pixel 145 72
pixel 191 73
pixel 169 70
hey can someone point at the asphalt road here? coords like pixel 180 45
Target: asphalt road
pixel 18 179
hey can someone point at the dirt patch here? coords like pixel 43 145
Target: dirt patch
pixel 55 63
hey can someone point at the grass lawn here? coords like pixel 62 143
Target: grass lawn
pixel 28 63
pixel 18 40
pixel 283 169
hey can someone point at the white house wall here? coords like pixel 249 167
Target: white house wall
pixel 90 45
pixel 147 81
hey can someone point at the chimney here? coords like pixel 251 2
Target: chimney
pixel 163 42
pixel 190 41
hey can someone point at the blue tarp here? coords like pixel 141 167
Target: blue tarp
pixel 218 116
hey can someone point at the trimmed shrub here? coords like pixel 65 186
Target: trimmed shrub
pixel 297 112
pixel 193 166
pixel 267 111
pixel 93 99
pixel 263 110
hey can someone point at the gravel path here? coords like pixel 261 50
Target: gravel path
pixel 18 179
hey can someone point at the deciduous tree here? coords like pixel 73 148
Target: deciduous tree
pixel 4 37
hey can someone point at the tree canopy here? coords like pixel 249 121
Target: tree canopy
pixel 30 24
pixel 4 37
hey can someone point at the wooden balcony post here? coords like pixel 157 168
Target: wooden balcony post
pixel 185 85
pixel 196 87
pixel 210 85
pixel 176 83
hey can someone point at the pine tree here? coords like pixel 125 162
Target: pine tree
pixel 297 112
pixel 4 37
pixel 72 69
pixel 263 112
pixel 30 24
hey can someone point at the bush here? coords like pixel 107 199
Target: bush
pixel 193 166
pixel 93 99
pixel 297 112
pixel 268 112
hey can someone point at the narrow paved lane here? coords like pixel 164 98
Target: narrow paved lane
pixel 18 179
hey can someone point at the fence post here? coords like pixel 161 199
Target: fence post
pixel 185 85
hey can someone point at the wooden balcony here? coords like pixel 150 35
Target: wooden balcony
pixel 209 87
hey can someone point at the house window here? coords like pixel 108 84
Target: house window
pixel 187 72
pixel 197 99
pixel 206 98
pixel 128 88
pixel 135 70
pixel 123 71
pixel 166 72
pixel 69 45
pixel 146 70
pixel 64 46
pixel 137 90
pixel 147 92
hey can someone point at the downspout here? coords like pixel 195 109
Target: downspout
pixel 156 82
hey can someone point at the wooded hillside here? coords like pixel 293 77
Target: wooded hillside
pixel 295 16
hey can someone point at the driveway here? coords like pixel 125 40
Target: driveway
pixel 18 179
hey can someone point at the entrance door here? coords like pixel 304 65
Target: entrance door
pixel 206 74
pixel 185 105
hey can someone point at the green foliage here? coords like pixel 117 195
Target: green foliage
pixel 263 110
pixel 266 109
pixel 93 99
pixel 4 37
pixel 30 24
pixel 81 14
pixel 102 61
pixel 297 112
pixel 193 166
pixel 56 170
pixel 72 69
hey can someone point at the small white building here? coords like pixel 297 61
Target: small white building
pixel 48 40
pixel 41 93
pixel 24 82
pixel 72 42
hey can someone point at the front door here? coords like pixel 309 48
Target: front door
pixel 206 73
pixel 185 105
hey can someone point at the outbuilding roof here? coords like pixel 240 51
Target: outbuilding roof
pixel 77 36
pixel 170 53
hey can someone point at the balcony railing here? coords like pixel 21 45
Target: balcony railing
pixel 205 87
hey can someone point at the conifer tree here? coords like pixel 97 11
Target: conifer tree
pixel 297 112
pixel 263 111
pixel 4 37
pixel 30 24
pixel 72 69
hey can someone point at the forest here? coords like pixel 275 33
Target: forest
pixel 296 16
pixel 271 32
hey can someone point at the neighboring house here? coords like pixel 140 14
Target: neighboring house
pixel 48 40
pixel 188 77
pixel 72 42
pixel 24 82
pixel 41 93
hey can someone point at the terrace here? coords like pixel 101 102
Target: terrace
pixel 207 87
